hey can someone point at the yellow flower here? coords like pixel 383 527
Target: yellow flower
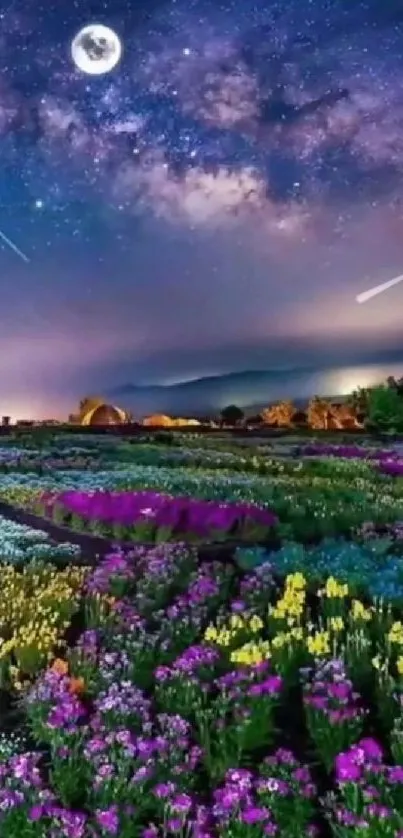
pixel 291 605
pixel 359 612
pixel 318 643
pixel 279 640
pixel 278 612
pixel 36 606
pixel 399 665
pixel 251 653
pixel 335 590
pixel 396 633
pixel 336 624
pixel 236 622
pixel 296 580
pixel 287 638
pixel 255 624
pixel 224 637
pixel 211 634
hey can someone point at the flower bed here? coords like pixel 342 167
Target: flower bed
pixel 13 458
pixel 336 498
pixel 19 544
pixel 36 608
pixel 387 461
pixel 356 452
pixel 150 516
pixel 196 703
pixel 374 566
pixel 393 468
pixel 186 699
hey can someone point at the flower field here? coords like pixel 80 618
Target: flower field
pixel 176 687
pixel 312 497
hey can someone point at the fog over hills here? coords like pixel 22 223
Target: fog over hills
pixel 250 389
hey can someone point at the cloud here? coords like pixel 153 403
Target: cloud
pixel 226 99
pixel 379 120
pixel 60 120
pixel 211 199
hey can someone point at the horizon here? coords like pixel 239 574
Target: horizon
pixel 210 395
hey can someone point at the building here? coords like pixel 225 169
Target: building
pixel 104 414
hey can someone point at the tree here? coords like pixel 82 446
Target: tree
pixel 281 414
pixel 385 408
pixel 232 415
pixel 318 414
pixel 344 416
pixel 395 384
pixel 359 401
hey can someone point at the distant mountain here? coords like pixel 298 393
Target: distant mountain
pixel 251 390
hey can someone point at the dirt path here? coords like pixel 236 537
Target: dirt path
pixel 94 547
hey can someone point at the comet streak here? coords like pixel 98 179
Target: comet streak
pixel 378 289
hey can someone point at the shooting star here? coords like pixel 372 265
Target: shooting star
pixel 379 289
pixel 13 247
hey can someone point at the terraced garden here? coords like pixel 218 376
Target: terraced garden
pixel 200 639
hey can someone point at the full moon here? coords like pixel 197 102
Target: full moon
pixel 96 49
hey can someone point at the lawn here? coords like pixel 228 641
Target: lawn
pixel 200 640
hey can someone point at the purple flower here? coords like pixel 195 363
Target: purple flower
pixel 108 819
pixel 346 769
pixel 271 686
pixel 164 790
pixel 177 514
pixel 395 774
pixel 36 812
pixel 174 825
pixel 371 748
pixel 181 804
pixel 254 814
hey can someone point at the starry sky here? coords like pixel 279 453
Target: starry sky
pixel 213 204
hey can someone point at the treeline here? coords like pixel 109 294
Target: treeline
pixel 378 408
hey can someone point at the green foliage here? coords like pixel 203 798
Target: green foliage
pixel 232 415
pixel 385 409
pixel 359 400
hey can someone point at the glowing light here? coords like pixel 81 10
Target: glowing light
pixel 345 381
pixel 96 49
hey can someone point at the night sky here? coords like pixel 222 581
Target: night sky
pixel 215 203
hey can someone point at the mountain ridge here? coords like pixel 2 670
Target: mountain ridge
pixel 214 379
pixel 250 390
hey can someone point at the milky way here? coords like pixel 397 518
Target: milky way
pixel 215 113
pixel 279 130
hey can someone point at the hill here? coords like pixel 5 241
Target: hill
pixel 251 390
